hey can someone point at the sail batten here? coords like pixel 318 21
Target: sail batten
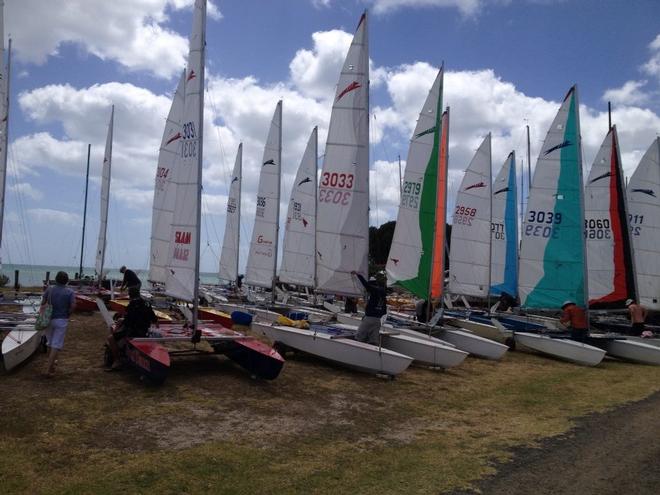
pixel 262 258
pixel 343 195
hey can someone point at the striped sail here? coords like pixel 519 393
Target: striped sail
pixel 609 247
pixel 644 216
pixel 183 253
pixel 410 259
pixel 105 197
pixel 262 258
pixel 504 231
pixel 231 240
pixel 343 198
pixel 439 236
pixel 299 252
pixel 469 254
pixel 165 188
pixel 552 252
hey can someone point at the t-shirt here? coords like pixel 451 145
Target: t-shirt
pixel 131 279
pixel 139 317
pixel 576 317
pixel 377 300
pixel 61 298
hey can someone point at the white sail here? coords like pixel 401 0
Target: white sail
pixel 299 251
pixel 105 197
pixel 231 241
pixel 183 253
pixel 262 258
pixel 504 231
pixel 4 116
pixel 343 199
pixel 469 254
pixel 644 215
pixel 609 247
pixel 552 251
pixel 165 188
pixel 409 262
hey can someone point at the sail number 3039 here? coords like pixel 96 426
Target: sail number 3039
pixel 542 224
pixel 189 144
pixel 335 188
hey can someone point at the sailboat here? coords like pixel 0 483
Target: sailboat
pixel 552 256
pixel 609 249
pixel 342 228
pixel 180 266
pixel 231 240
pixel 84 300
pixel 22 340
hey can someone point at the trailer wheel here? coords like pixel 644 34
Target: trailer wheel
pixel 510 343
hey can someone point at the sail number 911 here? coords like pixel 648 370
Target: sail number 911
pixel 542 224
pixel 333 188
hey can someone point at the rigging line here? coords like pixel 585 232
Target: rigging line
pixel 24 225
pixel 223 162
pixel 372 130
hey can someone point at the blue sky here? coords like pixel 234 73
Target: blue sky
pixel 508 62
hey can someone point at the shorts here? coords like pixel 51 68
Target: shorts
pixel 55 333
pixel 369 330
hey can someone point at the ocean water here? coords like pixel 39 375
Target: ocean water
pixel 34 275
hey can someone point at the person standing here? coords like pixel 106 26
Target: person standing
pixel 637 314
pixel 369 329
pixel 130 279
pixel 576 318
pixel 63 301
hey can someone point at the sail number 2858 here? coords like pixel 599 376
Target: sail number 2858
pixel 333 188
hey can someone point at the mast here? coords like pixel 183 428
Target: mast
pixel 277 203
pixel 238 206
pixel 490 219
pixel 82 243
pixel 5 144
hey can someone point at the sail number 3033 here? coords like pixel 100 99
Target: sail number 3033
pixel 335 188
pixel 189 144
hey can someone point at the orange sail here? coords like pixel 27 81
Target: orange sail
pixel 437 274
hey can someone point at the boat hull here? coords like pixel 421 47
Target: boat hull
pixel 85 304
pixel 19 345
pixel 628 350
pixel 346 352
pixel 474 344
pixel 216 316
pixel 150 359
pixel 259 359
pixel 486 331
pixel 564 349
pixel 424 351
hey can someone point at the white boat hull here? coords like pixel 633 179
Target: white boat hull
pixel 474 344
pixel 629 350
pixel 19 345
pixel 567 350
pixel 654 341
pixel 347 352
pixel 347 319
pixel 483 330
pixel 425 351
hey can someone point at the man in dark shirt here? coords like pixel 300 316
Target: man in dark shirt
pixel 369 329
pixel 130 279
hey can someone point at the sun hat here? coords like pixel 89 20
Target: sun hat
pixel 566 303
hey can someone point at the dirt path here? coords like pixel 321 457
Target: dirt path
pixel 611 453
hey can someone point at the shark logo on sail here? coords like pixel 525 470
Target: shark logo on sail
pixel 173 138
pixel 607 174
pixel 475 186
pixel 269 162
pixel 559 146
pixel 192 75
pixel 348 89
pixel 235 179
pixel 504 189
pixel 305 180
pixel 650 192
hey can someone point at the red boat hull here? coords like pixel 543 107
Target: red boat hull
pixel 85 303
pixel 215 316
pixel 150 359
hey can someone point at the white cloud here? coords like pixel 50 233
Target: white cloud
pixel 652 67
pixel 630 93
pixel 130 32
pixel 466 7
pixel 46 215
pixel 26 189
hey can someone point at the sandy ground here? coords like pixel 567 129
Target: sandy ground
pixel 617 452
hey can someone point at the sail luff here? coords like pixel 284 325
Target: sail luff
pixel 343 197
pixel 4 124
pixel 299 246
pixel 262 258
pixel 410 260
pixel 231 240
pixel 106 173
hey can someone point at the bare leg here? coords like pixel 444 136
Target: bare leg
pixel 114 349
pixel 52 356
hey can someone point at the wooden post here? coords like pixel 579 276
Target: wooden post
pixel 16 285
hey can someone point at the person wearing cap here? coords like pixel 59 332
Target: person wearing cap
pixel 369 329
pixel 637 314
pixel 576 318
pixel 130 279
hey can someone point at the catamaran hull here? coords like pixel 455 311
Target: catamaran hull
pixel 628 350
pixel 19 345
pixel 150 359
pixel 474 344
pixel 424 351
pixel 483 330
pixel 215 316
pixel 259 359
pixel 567 350
pixel 343 351
pixel 85 304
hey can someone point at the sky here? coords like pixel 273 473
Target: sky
pixel 508 64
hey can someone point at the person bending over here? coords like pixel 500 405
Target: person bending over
pixel 576 318
pixel 130 279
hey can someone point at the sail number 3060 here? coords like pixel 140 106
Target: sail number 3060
pixel 334 188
